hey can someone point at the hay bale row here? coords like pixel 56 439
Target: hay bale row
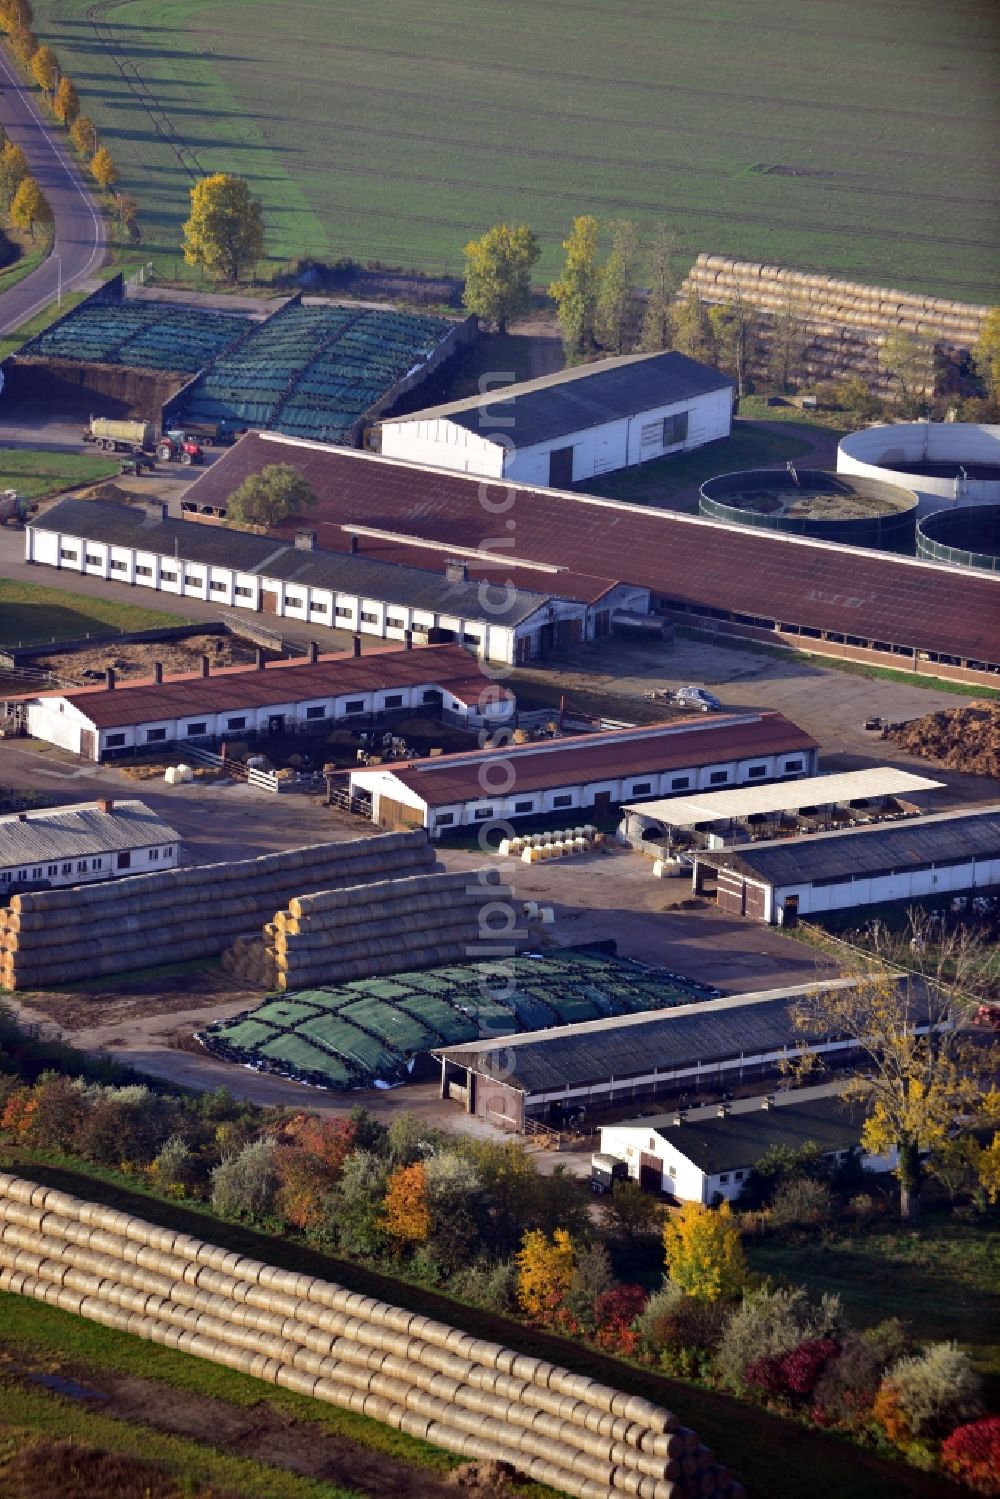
pixel 182 915
pixel 411 1372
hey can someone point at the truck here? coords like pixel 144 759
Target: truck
pixel 114 436
pixel 179 447
pixel 14 507
pixel 605 1170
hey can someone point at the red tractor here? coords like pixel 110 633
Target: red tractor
pixel 178 447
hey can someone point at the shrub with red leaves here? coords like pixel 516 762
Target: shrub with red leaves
pixel 801 1368
pixel 614 1313
pixel 972 1453
pixel 793 1374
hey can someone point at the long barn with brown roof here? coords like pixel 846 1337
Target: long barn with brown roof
pixel 871 605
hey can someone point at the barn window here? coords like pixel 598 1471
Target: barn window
pixel 92 560
pixel 444 819
pixel 526 806
pixel 724 1177
pixel 395 622
pixel 675 429
pixel 242 592
pixel 680 783
pixel 217 586
pixel 52 869
pixel 143 572
pixel 118 567
pixel 197 728
pixel 166 577
pixel 641 788
pixel 154 854
pixel 81 866
pixel 755 772
pixel 562 801
pixel 36 874
pixel 343 612
pixel 114 741
pixel 236 723
pixel 718 777
pixel 155 736
pixel 481 813
pixel 318 712
pixel 368 618
pixel 97 863
pixel 791 765
pixel 356 705
pixel 394 700
pixel 67 556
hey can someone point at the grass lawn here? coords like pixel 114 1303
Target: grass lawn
pixel 943 1279
pixel 657 482
pixel 773 1456
pixel 396 132
pixel 756 409
pixel 32 1415
pixel 38 475
pixel 33 615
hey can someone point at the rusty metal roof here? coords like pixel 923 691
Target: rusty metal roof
pixel 448 667
pixel 684 560
pixel 583 758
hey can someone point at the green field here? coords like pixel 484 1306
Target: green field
pixel 38 474
pixel 840 137
pixel 33 615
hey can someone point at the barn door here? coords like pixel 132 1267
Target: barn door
pixel 561 468
pixel 268 601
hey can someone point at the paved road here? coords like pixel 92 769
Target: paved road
pixel 78 245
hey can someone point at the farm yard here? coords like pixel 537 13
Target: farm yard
pixel 830 138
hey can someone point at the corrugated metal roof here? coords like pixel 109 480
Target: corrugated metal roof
pixel 79 832
pixel 268 557
pixel 683 559
pixel 582 758
pixel 186 696
pixel 574 400
pixel 577 1055
pixel 741 1139
pixel 861 852
pixel 784 796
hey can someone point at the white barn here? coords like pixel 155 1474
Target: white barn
pixel 898 861
pixel 588 772
pixel 574 425
pixel 82 843
pixel 246 702
pixel 341 590
pixel 706 1155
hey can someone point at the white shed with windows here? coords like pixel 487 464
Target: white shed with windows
pixel 574 425
pixel 79 844
pixel 707 1154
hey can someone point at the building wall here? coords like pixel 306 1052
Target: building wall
pixel 903 885
pixel 495 451
pixel 59 722
pixel 619 444
pixel 105 866
pixel 444 444
pixel 583 796
pixel 232 589
pixel 681 1177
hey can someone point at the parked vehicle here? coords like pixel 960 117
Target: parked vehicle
pixel 697 698
pixel 14 507
pixel 135 464
pixel 115 436
pixel 605 1170
pixel 212 434
pixel 179 447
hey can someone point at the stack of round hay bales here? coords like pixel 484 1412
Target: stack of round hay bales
pixel 385 927
pixel 413 1373
pixel 55 936
pixel 825 304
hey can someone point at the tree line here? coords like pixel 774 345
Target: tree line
pixel 20 196
pixel 618 293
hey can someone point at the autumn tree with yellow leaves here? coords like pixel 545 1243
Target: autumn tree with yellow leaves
pixel 407 1215
pixel 103 169
pixel 918 1073
pixel 498 273
pixel 30 206
pixel 66 104
pixel 225 232
pixel 704 1252
pixel 545 1272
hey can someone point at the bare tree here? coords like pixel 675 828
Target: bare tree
pixel 658 320
pixel 788 340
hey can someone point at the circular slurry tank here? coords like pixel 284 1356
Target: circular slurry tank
pixel 946 464
pixel 811 503
pixel 966 537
